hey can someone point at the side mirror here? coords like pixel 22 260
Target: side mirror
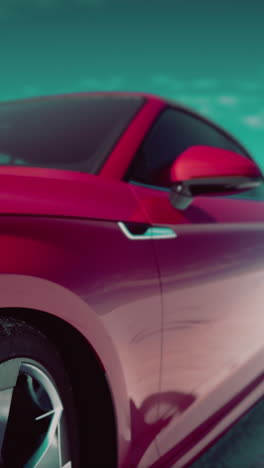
pixel 205 170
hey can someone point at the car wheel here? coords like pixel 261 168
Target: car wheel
pixel 37 417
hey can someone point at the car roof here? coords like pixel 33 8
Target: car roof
pixel 69 95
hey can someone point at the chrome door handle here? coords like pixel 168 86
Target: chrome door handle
pixel 137 231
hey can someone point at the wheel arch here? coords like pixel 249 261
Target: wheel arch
pixel 73 349
pixel 43 296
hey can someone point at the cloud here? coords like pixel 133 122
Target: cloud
pixel 168 81
pixel 201 104
pixel 227 100
pixel 206 111
pixel 254 121
pixel 205 83
pixel 110 83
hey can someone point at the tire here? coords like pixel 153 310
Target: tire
pixel 37 414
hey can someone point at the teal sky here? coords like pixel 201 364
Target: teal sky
pixel 206 54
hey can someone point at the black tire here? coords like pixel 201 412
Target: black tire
pixel 41 381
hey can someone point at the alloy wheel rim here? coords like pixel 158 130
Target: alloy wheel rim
pixel 33 431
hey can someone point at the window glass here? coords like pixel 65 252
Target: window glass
pixel 65 132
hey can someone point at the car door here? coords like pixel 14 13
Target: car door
pixel 211 263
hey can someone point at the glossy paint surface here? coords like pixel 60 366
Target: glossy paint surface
pixel 212 277
pixel 204 161
pixel 61 193
pixel 90 274
pixel 176 323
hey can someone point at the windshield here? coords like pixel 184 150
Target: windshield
pixel 64 132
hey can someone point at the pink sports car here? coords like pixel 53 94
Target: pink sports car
pixel 131 282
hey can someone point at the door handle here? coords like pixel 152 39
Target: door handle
pixel 139 231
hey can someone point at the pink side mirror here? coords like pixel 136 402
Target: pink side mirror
pixel 205 170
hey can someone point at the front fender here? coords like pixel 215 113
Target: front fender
pixel 21 291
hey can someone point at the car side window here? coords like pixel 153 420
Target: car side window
pixel 174 131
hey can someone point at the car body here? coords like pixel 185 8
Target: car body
pixel 169 301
